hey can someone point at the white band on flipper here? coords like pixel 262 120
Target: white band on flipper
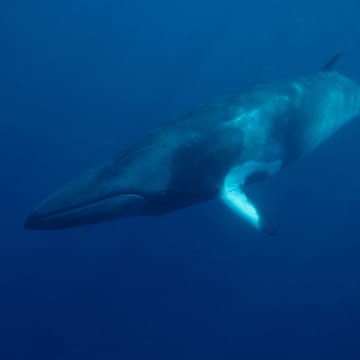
pixel 239 202
pixel 233 195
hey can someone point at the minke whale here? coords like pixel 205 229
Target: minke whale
pixel 214 151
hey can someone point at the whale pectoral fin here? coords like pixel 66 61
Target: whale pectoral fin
pixel 234 196
pixel 237 200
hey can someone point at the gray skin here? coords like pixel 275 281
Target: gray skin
pixel 187 161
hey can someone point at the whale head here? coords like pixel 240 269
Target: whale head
pixel 91 198
pixel 152 177
pixel 135 183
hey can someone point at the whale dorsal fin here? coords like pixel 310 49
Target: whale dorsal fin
pixel 330 65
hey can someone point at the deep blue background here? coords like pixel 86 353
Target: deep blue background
pixel 80 79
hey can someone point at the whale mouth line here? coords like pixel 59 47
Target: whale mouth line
pixel 84 205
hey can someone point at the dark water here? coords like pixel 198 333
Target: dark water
pixel 81 79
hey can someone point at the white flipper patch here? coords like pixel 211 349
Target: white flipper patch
pixel 234 196
pixel 239 202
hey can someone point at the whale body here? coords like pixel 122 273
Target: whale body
pixel 213 151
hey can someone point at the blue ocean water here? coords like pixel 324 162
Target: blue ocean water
pixel 79 80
